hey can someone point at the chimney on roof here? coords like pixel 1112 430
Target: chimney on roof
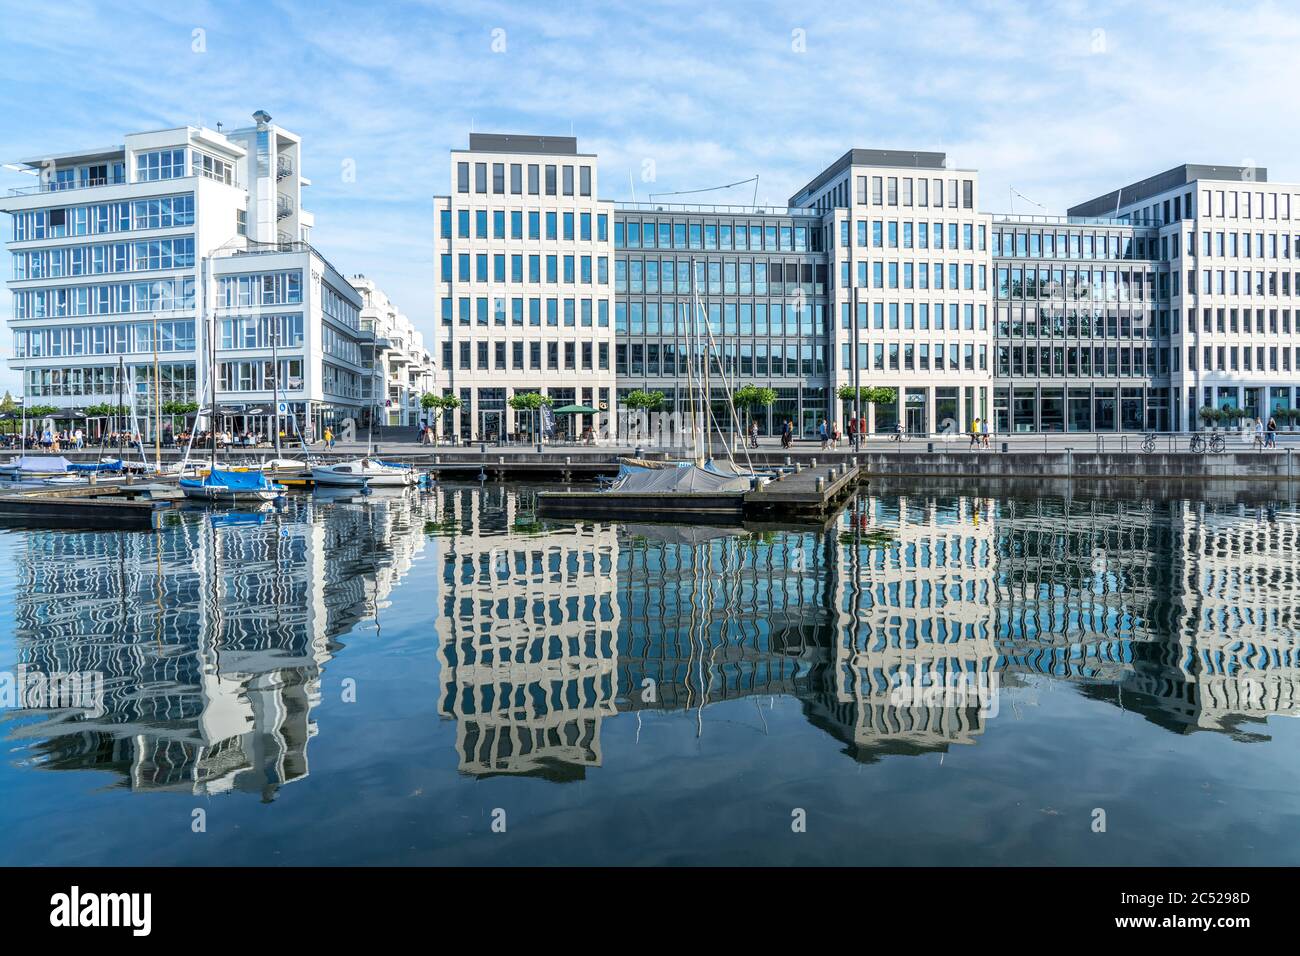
pixel 262 117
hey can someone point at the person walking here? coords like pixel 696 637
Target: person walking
pixel 823 431
pixel 1270 435
pixel 329 437
pixel 1259 434
pixel 753 434
pixel 975 433
pixel 984 433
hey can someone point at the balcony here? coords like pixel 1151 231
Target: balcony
pixel 59 186
pixel 283 206
pixel 283 168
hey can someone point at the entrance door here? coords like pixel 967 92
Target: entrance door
pixel 915 423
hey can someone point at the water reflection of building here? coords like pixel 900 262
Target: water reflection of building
pixel 1183 612
pixel 714 615
pixel 528 635
pixel 915 662
pixel 210 633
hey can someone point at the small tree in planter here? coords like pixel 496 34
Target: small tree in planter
pixel 640 401
pixel 530 402
pixel 1209 416
pixel 749 398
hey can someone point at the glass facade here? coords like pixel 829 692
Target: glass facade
pixel 1082 326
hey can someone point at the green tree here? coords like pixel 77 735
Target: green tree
pixel 751 397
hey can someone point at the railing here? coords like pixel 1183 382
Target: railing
pixel 54 186
pixel 758 210
pixel 283 206
pixel 1006 217
pixel 283 167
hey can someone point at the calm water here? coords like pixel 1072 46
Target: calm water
pixel 935 679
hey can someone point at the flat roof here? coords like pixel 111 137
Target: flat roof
pixel 888 158
pixel 1163 182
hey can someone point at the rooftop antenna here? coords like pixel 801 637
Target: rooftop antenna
pixel 631 182
pixel 1015 192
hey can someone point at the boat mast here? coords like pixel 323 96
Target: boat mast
pixel 275 383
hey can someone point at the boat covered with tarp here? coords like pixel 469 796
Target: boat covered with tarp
pixel 684 478
pixel 111 465
pixel 232 486
pixel 35 466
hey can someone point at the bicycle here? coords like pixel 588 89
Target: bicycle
pixel 900 437
pixel 1149 444
pixel 1216 445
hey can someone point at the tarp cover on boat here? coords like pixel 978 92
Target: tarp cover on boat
pixel 41 463
pixel 97 466
pixel 234 480
pixel 688 478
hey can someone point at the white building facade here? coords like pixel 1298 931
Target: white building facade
pixel 186 237
pixel 399 369
pixel 1231 241
pixel 911 261
pixel 523 256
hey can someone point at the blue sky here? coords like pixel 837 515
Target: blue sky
pixel 1061 100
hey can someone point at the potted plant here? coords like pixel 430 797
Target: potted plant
pixel 1209 416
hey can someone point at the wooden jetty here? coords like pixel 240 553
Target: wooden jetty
pixel 102 505
pixel 802 495
pixel 808 492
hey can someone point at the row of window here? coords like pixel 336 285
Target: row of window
pixel 339 307
pixel 340 381
pixel 729 318
pixel 917 356
pixel 1243 204
pixel 718 277
pixel 570 313
pixel 144 255
pixel 1086 323
pixel 156 295
pixel 1100 285
pixel 1240 282
pixel 558 179
pixel 917 315
pixel 893 234
pixel 722 236
pixel 340 346
pixel 1245 358
pixel 259 376
pixel 569 356
pixel 569 270
pixel 900 191
pixel 89 174
pixel 1233 320
pixel 1080 361
pixel 117 339
pixel 160 212
pixel 1239 245
pixel 177 381
pixel 557 225
pixel 1033 244
pixel 667 358
pixel 262 331
pixel 916 275
pixel 261 288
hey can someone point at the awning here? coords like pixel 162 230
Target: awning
pixel 574 410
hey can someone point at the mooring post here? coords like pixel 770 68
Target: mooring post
pixel 1069 461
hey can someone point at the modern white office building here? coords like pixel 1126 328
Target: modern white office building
pixel 910 254
pixel 398 368
pixel 523 255
pixel 1229 239
pixel 176 240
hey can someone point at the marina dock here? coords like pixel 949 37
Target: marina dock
pixel 108 506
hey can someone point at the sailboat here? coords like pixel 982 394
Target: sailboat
pixel 217 485
pixel 368 471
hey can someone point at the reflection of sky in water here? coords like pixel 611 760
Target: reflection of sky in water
pixel 661 694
